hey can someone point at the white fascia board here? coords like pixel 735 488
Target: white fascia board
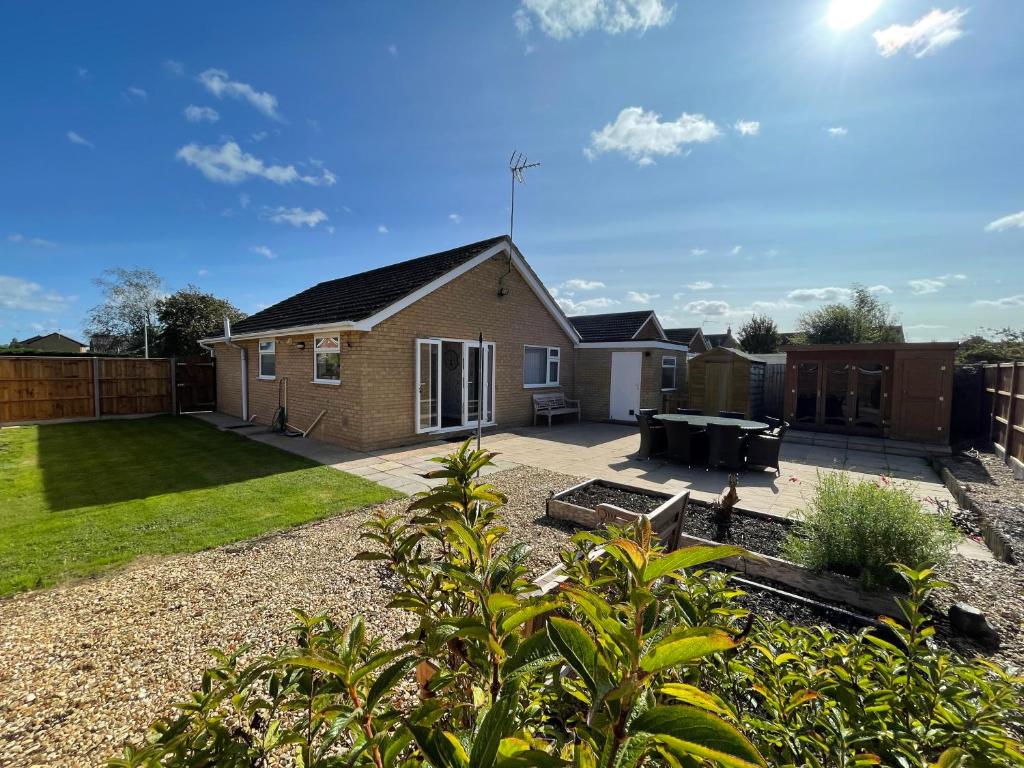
pixel 641 344
pixel 293 331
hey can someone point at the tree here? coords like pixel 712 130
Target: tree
pixel 992 346
pixel 130 296
pixel 187 316
pixel 760 335
pixel 863 319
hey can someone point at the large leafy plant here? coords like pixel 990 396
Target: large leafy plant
pixel 636 658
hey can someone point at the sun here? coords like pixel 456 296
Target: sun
pixel 845 14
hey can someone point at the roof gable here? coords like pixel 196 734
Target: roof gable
pixel 359 296
pixel 612 326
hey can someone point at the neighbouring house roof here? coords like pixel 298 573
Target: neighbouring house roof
pixel 685 335
pixel 36 339
pixel 722 339
pixel 358 302
pixel 612 326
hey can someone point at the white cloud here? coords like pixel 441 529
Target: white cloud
pixel 218 83
pixel 562 19
pixel 259 136
pixel 228 164
pixel 640 297
pixel 736 250
pixel 38 242
pixel 244 200
pixel 880 289
pixel 393 49
pixel 1005 303
pixel 830 293
pixel 455 218
pixel 933 284
pixel 579 284
pixel 1014 220
pixel 196 114
pixel 641 135
pixel 263 250
pixel 836 131
pixel 134 93
pixel 933 31
pixel 77 138
pixel 297 217
pixel 925 285
pixel 571 307
pixel 698 251
pixel 173 67
pixel 706 307
pixel 19 294
pixel 747 127
pixel 203 272
pixel 700 285
pixel 381 229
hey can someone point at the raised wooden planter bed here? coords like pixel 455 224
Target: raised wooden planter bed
pixel 826 586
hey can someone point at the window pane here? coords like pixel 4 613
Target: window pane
pixel 327 342
pixel 668 373
pixel 553 371
pixel 535 361
pixel 328 366
pixel 266 346
pixel 267 364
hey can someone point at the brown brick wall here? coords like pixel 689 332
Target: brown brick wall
pixel 593 382
pixel 374 405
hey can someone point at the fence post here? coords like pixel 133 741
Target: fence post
pixel 1011 422
pixel 173 362
pixel 96 386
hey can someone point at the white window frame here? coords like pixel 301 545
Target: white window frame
pixel 272 352
pixel 316 352
pixel 548 359
pixel 675 373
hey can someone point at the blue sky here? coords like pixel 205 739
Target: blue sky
pixel 707 159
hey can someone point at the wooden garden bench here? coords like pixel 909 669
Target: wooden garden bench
pixel 554 404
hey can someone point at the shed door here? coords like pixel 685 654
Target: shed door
pixel 624 397
pixel 921 406
pixel 716 387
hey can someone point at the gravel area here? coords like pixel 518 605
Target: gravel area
pixel 86 666
pixel 997 589
pixel 991 486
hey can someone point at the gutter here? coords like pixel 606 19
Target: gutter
pixel 244 356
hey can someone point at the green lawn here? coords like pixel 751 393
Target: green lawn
pixel 76 499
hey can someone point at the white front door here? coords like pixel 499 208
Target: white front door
pixel 625 388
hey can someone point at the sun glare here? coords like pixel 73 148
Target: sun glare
pixel 845 14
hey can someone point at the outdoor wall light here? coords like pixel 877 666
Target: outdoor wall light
pixel 300 344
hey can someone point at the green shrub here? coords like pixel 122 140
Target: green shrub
pixel 644 661
pixel 860 528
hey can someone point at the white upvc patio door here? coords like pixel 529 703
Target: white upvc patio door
pixel 436 391
pixel 428 384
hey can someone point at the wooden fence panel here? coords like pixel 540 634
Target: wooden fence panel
pixel 46 388
pixel 134 385
pixel 1004 390
pixel 38 388
pixel 774 389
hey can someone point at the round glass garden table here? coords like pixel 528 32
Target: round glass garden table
pixel 747 425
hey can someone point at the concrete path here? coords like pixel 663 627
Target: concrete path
pixel 607 451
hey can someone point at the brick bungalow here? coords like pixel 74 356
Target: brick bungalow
pixel 390 356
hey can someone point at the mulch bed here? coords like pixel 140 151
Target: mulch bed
pixel 990 485
pixel 599 493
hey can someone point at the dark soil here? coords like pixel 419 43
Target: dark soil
pixel 990 484
pixel 598 493
pixel 753 533
pixel 769 604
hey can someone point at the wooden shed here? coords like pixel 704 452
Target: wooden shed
pixel 899 391
pixel 724 379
